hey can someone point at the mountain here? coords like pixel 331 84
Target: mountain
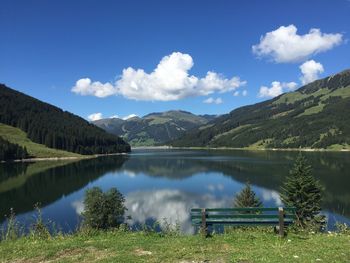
pixel 316 115
pixel 48 125
pixel 154 128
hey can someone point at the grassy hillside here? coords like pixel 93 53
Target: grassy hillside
pixel 48 125
pixel 315 116
pixel 154 128
pixel 17 136
pixel 239 246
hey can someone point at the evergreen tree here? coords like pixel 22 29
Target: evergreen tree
pixel 303 191
pixel 246 198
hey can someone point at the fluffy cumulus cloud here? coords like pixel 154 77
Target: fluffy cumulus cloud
pixel 284 45
pixel 98 89
pixel 170 80
pixel 213 101
pixel 95 116
pixel 277 88
pixel 310 70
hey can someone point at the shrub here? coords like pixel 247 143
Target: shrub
pixel 12 229
pixel 103 210
pixel 39 229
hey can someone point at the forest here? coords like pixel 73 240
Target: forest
pixel 55 128
pixel 10 151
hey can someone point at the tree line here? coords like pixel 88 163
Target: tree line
pixel 10 151
pixel 55 128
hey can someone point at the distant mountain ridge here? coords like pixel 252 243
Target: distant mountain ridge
pixel 48 125
pixel 154 128
pixel 316 115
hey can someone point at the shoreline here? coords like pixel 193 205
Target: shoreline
pixel 39 159
pixel 165 147
pixel 241 149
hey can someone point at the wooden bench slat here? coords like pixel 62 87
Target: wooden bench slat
pixel 292 209
pixel 230 222
pixel 253 216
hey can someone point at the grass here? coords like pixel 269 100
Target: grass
pixel 261 144
pixel 230 132
pixel 237 246
pixel 339 147
pixel 15 135
pixel 291 97
pixel 312 110
pixel 342 92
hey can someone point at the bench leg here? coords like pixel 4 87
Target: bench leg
pixel 281 221
pixel 204 228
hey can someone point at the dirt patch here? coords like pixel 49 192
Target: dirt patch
pixel 141 252
pixel 88 254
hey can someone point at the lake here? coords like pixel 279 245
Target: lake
pixel 160 184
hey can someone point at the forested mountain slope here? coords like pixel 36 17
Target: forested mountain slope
pixel 154 128
pixel 53 127
pixel 315 116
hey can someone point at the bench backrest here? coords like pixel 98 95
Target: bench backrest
pixel 242 215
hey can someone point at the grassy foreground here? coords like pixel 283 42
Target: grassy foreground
pixel 238 246
pixel 15 135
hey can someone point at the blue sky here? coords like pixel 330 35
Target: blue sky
pixel 253 48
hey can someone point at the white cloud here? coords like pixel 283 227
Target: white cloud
pixel 284 45
pixel 95 116
pixel 170 80
pixel 129 116
pixel 114 117
pixel 244 93
pixel 236 93
pixel 78 206
pixel 213 101
pixel 310 70
pixel 290 86
pixel 277 88
pixel 215 187
pixel 271 195
pixel 98 89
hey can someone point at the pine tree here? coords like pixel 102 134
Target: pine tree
pixel 303 191
pixel 247 198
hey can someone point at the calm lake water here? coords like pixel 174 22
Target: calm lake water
pixel 162 184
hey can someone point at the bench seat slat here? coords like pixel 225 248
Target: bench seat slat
pixel 245 222
pixel 262 209
pixel 233 216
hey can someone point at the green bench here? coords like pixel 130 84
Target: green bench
pixel 245 216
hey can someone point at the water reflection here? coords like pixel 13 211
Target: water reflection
pixel 23 184
pixel 166 184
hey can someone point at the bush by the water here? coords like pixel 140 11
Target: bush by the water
pixel 103 210
pixel 303 191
